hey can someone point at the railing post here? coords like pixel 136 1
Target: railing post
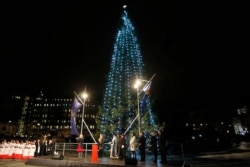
pixel 182 152
pixel 63 148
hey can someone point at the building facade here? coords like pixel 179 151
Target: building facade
pixel 42 115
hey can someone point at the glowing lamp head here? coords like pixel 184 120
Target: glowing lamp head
pixel 137 83
pixel 84 95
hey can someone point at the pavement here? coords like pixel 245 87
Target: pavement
pixel 69 161
pixel 235 158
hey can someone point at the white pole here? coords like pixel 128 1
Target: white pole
pixel 139 116
pixel 83 106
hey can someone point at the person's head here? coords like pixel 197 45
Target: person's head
pixel 160 131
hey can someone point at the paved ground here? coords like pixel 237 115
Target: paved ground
pixel 104 161
pixel 65 163
pixel 234 158
pixel 15 163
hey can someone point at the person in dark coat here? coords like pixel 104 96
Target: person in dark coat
pixel 50 147
pixel 122 147
pixel 101 144
pixel 142 145
pixel 43 145
pixel 162 146
pixel 38 144
pixel 153 143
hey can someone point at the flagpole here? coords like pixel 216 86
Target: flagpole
pixel 138 107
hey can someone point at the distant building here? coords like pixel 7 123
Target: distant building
pixel 242 121
pixel 8 129
pixel 49 115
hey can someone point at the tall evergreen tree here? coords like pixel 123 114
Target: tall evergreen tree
pixel 120 106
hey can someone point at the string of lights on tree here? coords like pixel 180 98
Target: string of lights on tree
pixel 120 102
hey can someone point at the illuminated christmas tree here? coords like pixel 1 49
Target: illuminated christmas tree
pixel 120 103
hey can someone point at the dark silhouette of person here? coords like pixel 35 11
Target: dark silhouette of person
pixel 100 144
pixel 142 145
pixel 43 145
pixel 162 146
pixel 122 149
pixel 50 147
pixel 153 143
pixel 38 144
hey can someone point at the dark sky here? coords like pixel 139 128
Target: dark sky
pixel 199 49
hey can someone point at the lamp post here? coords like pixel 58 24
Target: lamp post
pixel 137 85
pixel 82 99
pixel 84 96
pixel 38 127
pixel 145 88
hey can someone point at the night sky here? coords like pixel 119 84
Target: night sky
pixel 199 50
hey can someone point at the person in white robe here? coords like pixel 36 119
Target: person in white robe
pixel 26 151
pixel 2 149
pixel 114 147
pixel 6 150
pixel 32 150
pixel 19 150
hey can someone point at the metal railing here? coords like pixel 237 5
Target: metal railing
pixel 70 148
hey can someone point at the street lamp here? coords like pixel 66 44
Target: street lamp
pixel 84 96
pixel 82 99
pixel 137 85
pixel 145 88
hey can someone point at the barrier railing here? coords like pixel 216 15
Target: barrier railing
pixel 70 148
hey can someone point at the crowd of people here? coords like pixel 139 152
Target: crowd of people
pixel 24 150
pixel 119 147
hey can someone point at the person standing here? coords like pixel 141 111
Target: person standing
pixel 19 150
pixel 153 143
pixel 38 147
pixel 122 143
pixel 79 148
pixel 162 146
pixel 142 145
pixel 114 147
pixel 132 145
pixel 50 147
pixel 101 144
pixel 43 147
